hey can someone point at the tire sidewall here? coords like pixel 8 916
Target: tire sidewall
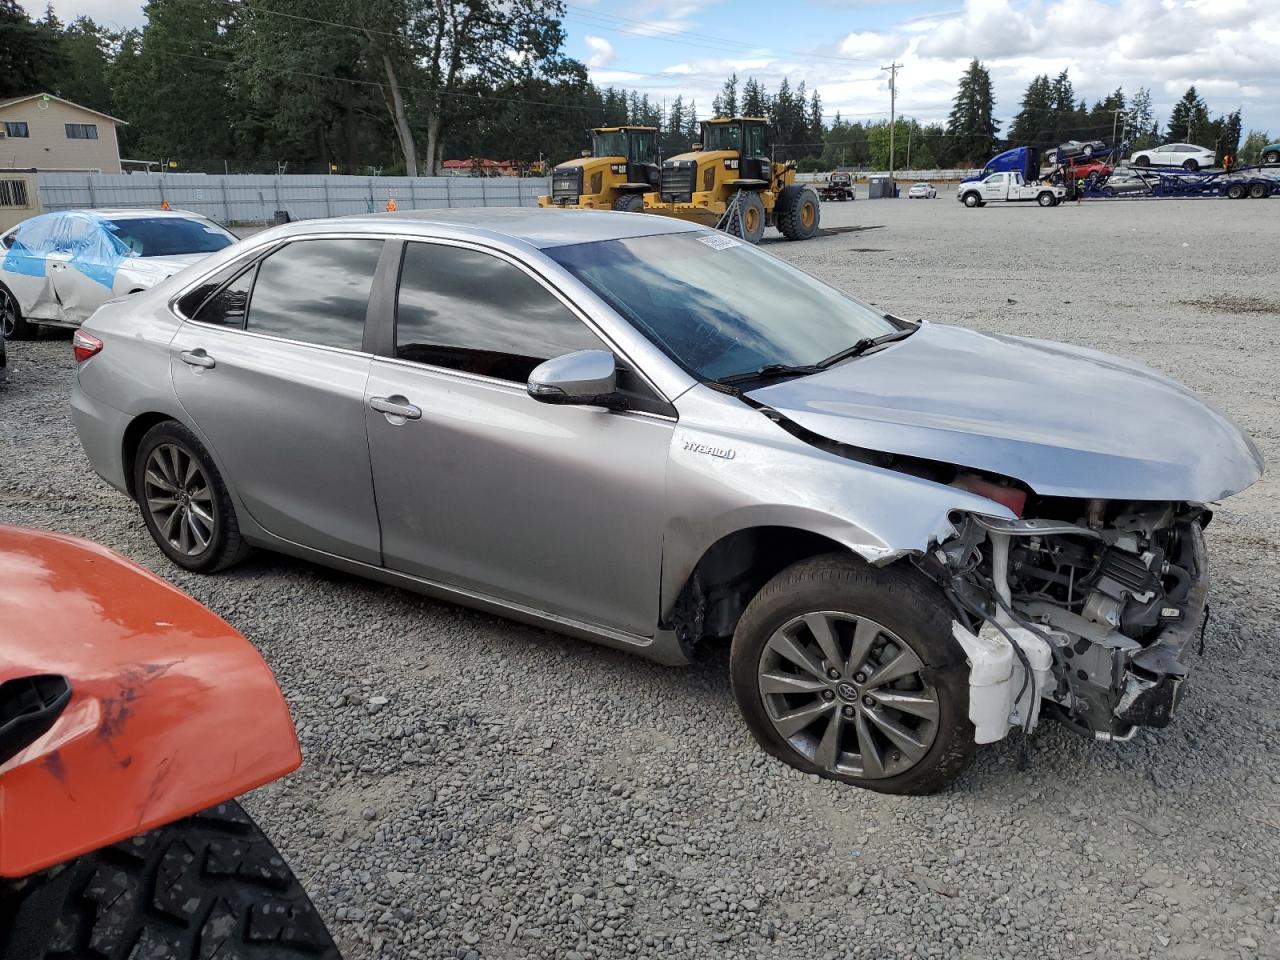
pixel 923 623
pixel 752 200
pixel 971 200
pixel 172 432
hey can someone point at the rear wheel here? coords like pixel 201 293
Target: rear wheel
pixel 15 328
pixel 1259 191
pixel 972 200
pixel 797 212
pixel 211 885
pixel 630 202
pixel 850 672
pixel 1236 191
pixel 184 502
pixel 751 217
pixel 1191 166
pixel 1271 157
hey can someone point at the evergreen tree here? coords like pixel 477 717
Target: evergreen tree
pixel 30 58
pixel 754 99
pixel 1190 115
pixel 972 124
pixel 1032 125
pixel 726 104
pixel 674 139
pixel 817 130
pixel 693 129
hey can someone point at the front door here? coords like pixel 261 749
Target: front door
pixel 995 186
pixel 480 486
pixel 272 371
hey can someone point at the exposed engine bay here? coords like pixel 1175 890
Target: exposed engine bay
pixel 1084 610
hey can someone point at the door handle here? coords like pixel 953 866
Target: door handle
pixel 198 358
pixel 395 407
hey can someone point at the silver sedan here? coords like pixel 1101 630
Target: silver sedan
pixel 634 430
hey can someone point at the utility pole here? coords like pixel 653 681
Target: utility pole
pixel 893 69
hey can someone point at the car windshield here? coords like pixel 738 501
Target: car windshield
pixel 168 236
pixel 717 306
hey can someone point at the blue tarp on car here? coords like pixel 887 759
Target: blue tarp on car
pixel 88 241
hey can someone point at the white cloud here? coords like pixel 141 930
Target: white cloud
pixel 602 53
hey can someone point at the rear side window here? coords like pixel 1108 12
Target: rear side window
pixel 315 291
pixel 226 308
pixel 470 311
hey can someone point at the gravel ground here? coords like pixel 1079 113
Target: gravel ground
pixel 475 788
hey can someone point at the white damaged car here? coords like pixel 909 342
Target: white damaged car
pixel 58 268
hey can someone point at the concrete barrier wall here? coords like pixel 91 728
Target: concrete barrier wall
pixel 255 199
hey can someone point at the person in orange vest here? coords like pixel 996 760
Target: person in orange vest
pixel 391 205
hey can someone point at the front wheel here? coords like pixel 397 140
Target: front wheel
pixel 1143 161
pixel 796 212
pixel 1272 157
pixel 751 217
pixel 184 502
pixel 1259 190
pixel 850 672
pixel 972 200
pixel 1046 199
pixel 15 327
pixel 211 885
pixel 629 202
pixel 1236 191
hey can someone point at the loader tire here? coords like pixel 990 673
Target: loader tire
pixel 797 212
pixel 629 203
pixel 211 885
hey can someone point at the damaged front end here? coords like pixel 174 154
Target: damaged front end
pixel 1084 611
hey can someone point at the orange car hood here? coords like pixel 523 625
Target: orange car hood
pixel 171 709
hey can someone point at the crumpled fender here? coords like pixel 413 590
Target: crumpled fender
pixel 731 468
pixel 171 709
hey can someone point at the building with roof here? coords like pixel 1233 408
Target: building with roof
pixel 44 132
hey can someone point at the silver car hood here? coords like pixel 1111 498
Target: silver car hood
pixel 1065 420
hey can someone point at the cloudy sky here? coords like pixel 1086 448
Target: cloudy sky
pixel 1230 49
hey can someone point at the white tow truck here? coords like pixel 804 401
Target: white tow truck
pixel 1009 186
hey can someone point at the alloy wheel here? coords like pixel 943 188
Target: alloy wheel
pixel 8 313
pixel 848 694
pixel 179 498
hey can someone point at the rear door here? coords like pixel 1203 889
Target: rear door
pixel 557 508
pixel 272 369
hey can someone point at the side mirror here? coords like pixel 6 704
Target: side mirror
pixel 586 378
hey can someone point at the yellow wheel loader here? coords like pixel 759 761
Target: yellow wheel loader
pixel 615 174
pixel 729 182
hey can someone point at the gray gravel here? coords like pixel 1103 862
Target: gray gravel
pixel 475 788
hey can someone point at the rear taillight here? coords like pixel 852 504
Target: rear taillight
pixel 85 345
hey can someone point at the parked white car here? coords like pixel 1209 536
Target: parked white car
pixel 922 191
pixel 59 267
pixel 999 187
pixel 1185 155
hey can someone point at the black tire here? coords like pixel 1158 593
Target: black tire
pixel 15 327
pixel 1272 157
pixel 972 200
pixel 1259 190
pixel 225 545
pixel 751 217
pixel 797 212
pixel 1046 198
pixel 902 601
pixel 1142 161
pixel 1236 191
pixel 630 203
pixel 211 885
pixel 1191 166
pixel 1109 192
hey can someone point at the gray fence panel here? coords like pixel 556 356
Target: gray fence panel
pixel 253 198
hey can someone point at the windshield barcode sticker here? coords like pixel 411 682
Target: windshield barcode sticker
pixel 718 241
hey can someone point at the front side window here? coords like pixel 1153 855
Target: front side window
pixel 755 140
pixel 16 128
pixel 717 306
pixel 315 291
pixel 471 311
pixel 82 131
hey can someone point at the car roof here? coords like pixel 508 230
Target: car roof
pixel 536 226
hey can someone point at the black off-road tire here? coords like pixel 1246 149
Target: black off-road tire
pixel 226 546
pixel 972 199
pixel 902 600
pixel 22 328
pixel 629 203
pixel 798 212
pixel 210 886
